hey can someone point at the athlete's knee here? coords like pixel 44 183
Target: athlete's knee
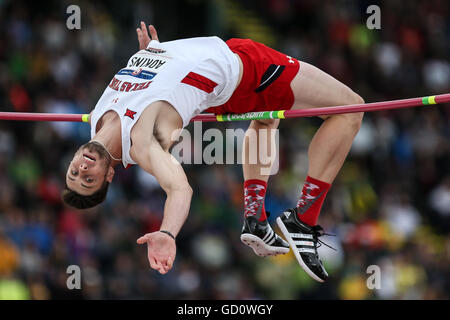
pixel 265 123
pixel 353 119
pixel 357 117
pixel 357 99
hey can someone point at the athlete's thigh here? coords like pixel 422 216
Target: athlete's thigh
pixel 313 88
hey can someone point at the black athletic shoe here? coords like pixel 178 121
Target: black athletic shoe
pixel 259 236
pixel 304 241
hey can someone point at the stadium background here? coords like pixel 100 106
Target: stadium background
pixel 389 206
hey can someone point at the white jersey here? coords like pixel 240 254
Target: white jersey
pixel 191 74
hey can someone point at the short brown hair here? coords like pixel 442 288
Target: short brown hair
pixel 79 201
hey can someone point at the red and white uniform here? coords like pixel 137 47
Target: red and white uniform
pixel 266 79
pixel 195 75
pixel 190 74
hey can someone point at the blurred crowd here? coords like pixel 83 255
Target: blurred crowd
pixel 389 206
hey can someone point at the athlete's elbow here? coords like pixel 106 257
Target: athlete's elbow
pixel 182 193
pixel 187 190
pixel 182 188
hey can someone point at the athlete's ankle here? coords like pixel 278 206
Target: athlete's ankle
pixel 254 194
pixel 311 200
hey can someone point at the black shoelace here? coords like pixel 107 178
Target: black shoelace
pixel 318 232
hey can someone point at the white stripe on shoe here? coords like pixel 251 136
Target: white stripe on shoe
pixel 268 235
pixel 301 235
pixel 304 243
pixel 306 250
pixel 270 242
pixel 296 250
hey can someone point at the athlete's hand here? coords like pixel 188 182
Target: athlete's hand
pixel 161 250
pixel 143 36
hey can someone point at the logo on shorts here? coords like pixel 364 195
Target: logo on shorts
pixel 130 113
pixel 290 59
pixel 272 73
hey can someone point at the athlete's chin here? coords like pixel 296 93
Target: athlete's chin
pixel 92 147
pixel 93 151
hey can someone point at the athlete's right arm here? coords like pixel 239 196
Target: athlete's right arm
pixel 171 177
pixel 143 37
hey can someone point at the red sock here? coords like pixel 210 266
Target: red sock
pixel 254 194
pixel 310 202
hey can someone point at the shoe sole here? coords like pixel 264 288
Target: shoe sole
pixel 260 247
pixel 294 249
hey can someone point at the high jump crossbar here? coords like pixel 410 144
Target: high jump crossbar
pixel 280 114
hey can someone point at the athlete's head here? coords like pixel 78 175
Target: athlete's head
pixel 88 176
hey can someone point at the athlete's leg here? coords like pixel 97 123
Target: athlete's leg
pixel 257 160
pixel 258 130
pixel 329 147
pixel 313 88
pixel 258 155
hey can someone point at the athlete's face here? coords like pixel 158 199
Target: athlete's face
pixel 89 168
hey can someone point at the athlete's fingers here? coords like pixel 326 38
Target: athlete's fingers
pixel 153 32
pixel 169 263
pixel 142 240
pixel 165 269
pixel 139 35
pixel 159 267
pixel 153 263
pixel 144 29
pixel 162 270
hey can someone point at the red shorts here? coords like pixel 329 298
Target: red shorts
pixel 266 79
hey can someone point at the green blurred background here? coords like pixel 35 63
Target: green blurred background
pixel 389 206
